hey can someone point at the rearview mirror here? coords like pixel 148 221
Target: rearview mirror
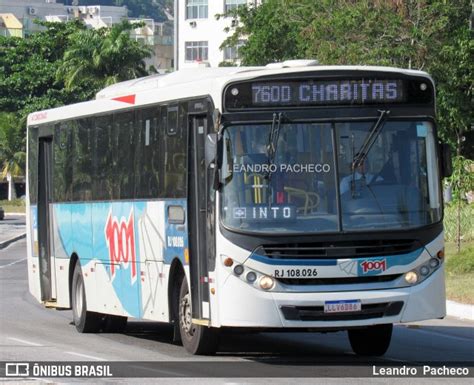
pixel 210 149
pixel 446 162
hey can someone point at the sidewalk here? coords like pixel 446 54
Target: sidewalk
pixel 460 310
pixel 12 229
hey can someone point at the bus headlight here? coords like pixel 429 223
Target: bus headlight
pixel 266 282
pixel 422 272
pixel 411 277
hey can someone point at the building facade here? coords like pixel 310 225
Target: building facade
pixel 157 35
pixel 10 25
pixel 26 11
pixel 200 32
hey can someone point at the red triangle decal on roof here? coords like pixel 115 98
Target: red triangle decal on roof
pixel 130 99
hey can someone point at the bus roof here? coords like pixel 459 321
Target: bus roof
pixel 189 83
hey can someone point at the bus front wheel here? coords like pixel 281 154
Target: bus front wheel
pixel 196 339
pixel 372 340
pixel 85 321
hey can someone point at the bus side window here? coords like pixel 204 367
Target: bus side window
pixel 103 181
pixel 63 158
pixel 172 121
pixel 33 163
pixel 148 154
pixel 124 155
pixel 175 153
pixel 83 169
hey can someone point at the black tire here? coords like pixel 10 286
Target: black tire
pixel 115 324
pixel 196 339
pixel 85 321
pixel 371 341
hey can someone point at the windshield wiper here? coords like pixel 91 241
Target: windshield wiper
pixel 369 141
pixel 273 142
pixel 361 155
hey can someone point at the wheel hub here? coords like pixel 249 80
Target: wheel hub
pixel 78 298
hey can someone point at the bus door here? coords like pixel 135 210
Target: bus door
pixel 45 160
pixel 198 218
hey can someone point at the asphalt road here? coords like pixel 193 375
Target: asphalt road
pixel 29 332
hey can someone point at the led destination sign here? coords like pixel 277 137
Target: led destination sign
pixel 316 92
pixel 328 92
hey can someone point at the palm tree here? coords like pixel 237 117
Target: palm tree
pixel 12 151
pixel 77 63
pixel 104 56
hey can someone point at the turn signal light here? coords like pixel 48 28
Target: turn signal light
pixel 251 277
pixel 434 263
pixel 238 270
pixel 424 270
pixel 228 262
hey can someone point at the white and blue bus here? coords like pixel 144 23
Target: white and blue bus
pixel 279 198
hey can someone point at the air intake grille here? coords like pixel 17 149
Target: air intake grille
pixel 339 280
pixel 342 249
pixel 316 313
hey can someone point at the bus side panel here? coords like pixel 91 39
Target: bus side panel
pixel 72 234
pixel 125 250
pixel 81 235
pixel 117 257
pixel 32 251
pixel 61 225
pixel 151 245
pixel 161 241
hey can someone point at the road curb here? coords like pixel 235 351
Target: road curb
pixel 11 214
pixel 460 310
pixel 11 240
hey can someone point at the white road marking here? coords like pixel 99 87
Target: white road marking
pixel 384 358
pixel 86 356
pixel 13 263
pixel 443 335
pixel 23 341
pixel 393 359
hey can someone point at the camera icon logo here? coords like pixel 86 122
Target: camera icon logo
pixel 17 369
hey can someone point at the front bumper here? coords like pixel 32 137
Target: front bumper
pixel 242 305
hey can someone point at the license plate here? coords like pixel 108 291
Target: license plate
pixel 310 272
pixel 345 306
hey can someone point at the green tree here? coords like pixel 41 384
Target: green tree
pixel 28 71
pixel 461 182
pixel 271 34
pixel 103 57
pixel 430 35
pixel 12 153
pixel 63 64
pixel 455 77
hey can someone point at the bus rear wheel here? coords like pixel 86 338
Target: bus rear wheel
pixel 371 341
pixel 196 339
pixel 85 321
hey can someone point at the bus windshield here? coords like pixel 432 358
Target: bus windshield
pixel 287 180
